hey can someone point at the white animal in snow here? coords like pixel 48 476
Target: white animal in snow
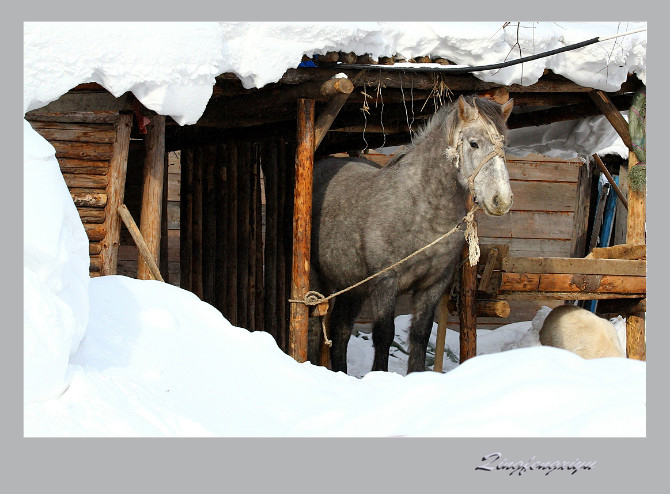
pixel 582 332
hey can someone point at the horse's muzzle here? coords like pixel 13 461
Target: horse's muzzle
pixel 498 204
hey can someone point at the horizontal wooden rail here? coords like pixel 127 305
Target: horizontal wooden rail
pixel 568 265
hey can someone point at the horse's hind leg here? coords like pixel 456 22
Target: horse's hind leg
pixel 340 322
pixel 382 306
pixel 423 313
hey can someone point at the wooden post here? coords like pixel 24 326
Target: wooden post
pixel 243 230
pixel 284 242
pixel 635 322
pixel 269 162
pixel 231 258
pixel 253 241
pixel 258 221
pixel 442 316
pixel 209 238
pixel 186 220
pixel 302 227
pixel 152 192
pixel 196 240
pixel 468 312
pixel 221 191
pixel 164 261
pixel 115 192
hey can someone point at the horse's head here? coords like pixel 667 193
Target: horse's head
pixel 477 147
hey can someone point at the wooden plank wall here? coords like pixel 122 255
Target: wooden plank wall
pixel 92 151
pixel 541 222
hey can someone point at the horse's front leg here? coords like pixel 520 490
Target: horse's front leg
pixel 382 307
pixel 340 323
pixel 424 305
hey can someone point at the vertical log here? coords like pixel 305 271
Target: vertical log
pixel 269 162
pixel 283 247
pixel 196 240
pixel 220 188
pixel 258 315
pixel 635 323
pixel 152 192
pixel 442 317
pixel 164 263
pixel 582 206
pixel 208 224
pixel 253 195
pixel 620 221
pixel 186 220
pixel 116 180
pixel 243 235
pixel 231 258
pixel 302 226
pixel 468 309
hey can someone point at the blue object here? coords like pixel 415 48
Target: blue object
pixel 605 236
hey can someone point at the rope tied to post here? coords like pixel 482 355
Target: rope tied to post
pixel 313 297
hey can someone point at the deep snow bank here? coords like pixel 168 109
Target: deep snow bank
pixel 158 361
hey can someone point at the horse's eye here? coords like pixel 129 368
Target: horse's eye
pixel 474 145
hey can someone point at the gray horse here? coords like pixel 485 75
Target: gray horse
pixel 366 218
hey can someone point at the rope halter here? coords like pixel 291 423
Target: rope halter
pixel 455 153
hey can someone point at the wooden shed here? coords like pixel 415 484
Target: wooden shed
pixel 223 205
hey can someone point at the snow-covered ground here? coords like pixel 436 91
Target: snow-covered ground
pixel 123 357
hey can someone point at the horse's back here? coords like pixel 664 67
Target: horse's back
pixel 327 169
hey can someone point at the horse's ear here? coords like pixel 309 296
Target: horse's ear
pixel 507 109
pixel 466 112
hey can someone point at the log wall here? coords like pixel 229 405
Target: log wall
pixel 92 151
pixel 230 231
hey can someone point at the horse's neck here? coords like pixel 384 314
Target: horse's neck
pixel 436 174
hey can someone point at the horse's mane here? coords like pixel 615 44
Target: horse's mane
pixel 448 116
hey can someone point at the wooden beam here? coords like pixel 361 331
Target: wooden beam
pixel 611 181
pixel 328 115
pixel 612 114
pixel 635 322
pixel 302 227
pixel 582 283
pixel 275 97
pixel 570 265
pixel 486 308
pixel 152 192
pixel 622 251
pixel 538 295
pixel 115 193
pixel 139 241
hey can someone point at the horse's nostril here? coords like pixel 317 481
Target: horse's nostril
pixel 496 201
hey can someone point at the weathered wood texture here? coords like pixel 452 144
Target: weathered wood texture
pixel 302 226
pixel 92 151
pixel 636 347
pixel 152 192
pixel 143 247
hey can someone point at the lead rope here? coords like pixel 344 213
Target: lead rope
pixel 313 298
